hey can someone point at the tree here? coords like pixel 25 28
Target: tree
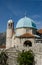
pixel 25 58
pixel 3 58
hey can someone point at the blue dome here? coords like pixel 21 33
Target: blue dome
pixel 26 22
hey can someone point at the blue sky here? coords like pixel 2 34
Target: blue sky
pixel 16 9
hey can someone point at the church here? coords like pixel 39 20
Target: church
pixel 24 37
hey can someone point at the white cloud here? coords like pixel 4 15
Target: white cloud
pixel 14 10
pixel 39 24
pixel 36 16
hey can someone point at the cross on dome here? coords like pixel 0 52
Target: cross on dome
pixel 25 13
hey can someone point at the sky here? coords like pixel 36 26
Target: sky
pixel 16 9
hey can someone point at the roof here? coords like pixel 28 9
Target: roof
pixel 27 35
pixel 25 22
pixel 10 21
pixel 3 46
pixel 39 31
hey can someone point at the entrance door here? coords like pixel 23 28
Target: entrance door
pixel 27 43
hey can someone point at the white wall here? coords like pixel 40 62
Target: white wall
pixel 21 31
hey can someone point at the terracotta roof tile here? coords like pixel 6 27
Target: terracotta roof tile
pixel 2 46
pixel 39 31
pixel 28 35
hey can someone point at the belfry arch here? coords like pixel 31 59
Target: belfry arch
pixel 28 43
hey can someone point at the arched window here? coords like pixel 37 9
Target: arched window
pixel 10 25
pixel 27 43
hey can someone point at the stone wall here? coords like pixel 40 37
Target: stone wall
pixel 13 52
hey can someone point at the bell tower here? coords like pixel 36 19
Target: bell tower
pixel 9 33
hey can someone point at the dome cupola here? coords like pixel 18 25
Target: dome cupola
pixel 26 22
pixel 10 21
